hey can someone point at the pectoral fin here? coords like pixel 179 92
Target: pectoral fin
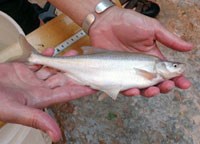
pixel 145 74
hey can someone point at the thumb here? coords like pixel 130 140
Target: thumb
pixel 170 40
pixel 32 117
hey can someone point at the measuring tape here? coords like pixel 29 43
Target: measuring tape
pixel 64 45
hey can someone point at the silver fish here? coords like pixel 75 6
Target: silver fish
pixel 109 72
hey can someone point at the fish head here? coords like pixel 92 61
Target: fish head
pixel 169 69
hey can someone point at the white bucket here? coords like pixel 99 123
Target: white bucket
pixel 14 133
pixel 19 134
pixel 9 31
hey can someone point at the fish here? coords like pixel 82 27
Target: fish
pixel 110 72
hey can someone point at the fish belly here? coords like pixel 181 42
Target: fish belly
pixel 112 79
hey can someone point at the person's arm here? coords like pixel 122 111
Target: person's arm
pixel 126 30
pixel 76 9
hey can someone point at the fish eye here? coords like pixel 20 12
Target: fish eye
pixel 175 65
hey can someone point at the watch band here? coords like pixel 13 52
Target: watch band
pixel 103 5
pixel 87 22
pixel 90 18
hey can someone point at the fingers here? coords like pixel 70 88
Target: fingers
pixel 150 92
pixel 171 40
pixel 34 68
pixel 48 52
pixel 132 92
pixel 25 75
pixel 156 52
pixel 34 118
pixel 58 80
pixel 166 86
pixel 71 53
pixel 181 82
pixel 45 73
pixel 66 93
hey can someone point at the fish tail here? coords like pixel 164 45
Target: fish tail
pixel 27 49
pixel 20 51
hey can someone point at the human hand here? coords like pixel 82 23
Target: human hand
pixel 23 93
pixel 127 30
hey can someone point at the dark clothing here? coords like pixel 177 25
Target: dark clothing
pixel 22 12
pixel 2 1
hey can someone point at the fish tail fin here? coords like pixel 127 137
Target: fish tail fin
pixel 19 51
pixel 27 48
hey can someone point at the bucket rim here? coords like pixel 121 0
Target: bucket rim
pixel 13 22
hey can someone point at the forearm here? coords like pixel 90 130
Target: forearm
pixel 76 9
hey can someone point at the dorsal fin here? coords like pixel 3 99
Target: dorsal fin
pixel 92 50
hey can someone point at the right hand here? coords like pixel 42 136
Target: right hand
pixel 126 30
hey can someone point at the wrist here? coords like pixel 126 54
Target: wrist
pixel 100 8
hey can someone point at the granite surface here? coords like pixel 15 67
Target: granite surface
pixel 172 118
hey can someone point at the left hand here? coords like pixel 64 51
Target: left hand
pixel 126 30
pixel 23 93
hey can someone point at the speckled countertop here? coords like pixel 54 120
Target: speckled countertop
pixel 172 118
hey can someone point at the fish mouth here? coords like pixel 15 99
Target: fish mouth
pixel 182 68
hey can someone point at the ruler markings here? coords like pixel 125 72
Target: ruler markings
pixel 64 45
